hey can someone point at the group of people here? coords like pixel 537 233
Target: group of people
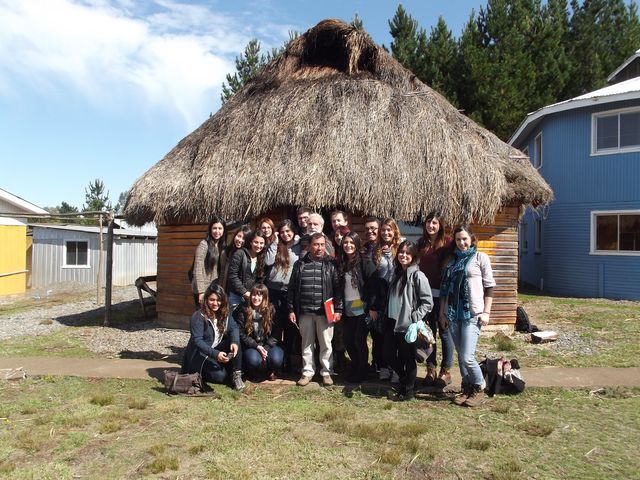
pixel 283 292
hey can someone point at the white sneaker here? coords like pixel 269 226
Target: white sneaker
pixel 384 374
pixel 395 378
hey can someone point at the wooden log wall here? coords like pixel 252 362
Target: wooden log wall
pixel 177 244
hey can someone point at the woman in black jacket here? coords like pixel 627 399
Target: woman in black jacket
pixel 246 268
pixel 359 282
pixel 213 348
pixel 259 333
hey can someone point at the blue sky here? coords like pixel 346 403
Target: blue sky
pixel 105 88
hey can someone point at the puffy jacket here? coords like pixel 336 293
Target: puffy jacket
pixel 330 284
pixel 201 341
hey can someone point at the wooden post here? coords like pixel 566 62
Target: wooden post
pixel 100 257
pixel 109 270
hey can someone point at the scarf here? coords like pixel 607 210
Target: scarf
pixel 455 285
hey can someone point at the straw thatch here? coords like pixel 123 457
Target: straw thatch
pixel 335 120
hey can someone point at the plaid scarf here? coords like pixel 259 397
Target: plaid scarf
pixel 455 285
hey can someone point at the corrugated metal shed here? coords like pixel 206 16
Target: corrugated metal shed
pixel 134 255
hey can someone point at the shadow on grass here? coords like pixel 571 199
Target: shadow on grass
pixel 125 315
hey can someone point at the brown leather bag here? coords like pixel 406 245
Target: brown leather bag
pixel 182 383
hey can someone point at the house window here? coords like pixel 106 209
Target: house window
pixel 525 150
pixel 537 151
pixel 524 237
pixel 615 232
pixel 616 131
pixel 537 236
pixel 77 253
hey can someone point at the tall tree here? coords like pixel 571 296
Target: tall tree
pixel 404 47
pixel 439 61
pixel 506 28
pixel 548 45
pixel 249 62
pixel 473 68
pixel 122 201
pixel 247 65
pixel 96 197
pixel 357 22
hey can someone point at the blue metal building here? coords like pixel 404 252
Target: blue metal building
pixel 587 242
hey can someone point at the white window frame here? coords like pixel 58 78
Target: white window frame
pixel 592 249
pixel 537 235
pixel 64 253
pixel 524 237
pixel 525 150
pixel 594 132
pixel 537 151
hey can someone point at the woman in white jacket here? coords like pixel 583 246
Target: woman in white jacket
pixel 466 296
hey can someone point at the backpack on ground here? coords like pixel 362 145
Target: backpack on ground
pixel 522 322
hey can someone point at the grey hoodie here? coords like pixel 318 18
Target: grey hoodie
pixel 411 303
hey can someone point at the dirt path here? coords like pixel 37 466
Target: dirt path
pixel 145 369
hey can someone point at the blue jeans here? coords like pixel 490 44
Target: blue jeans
pixel 445 337
pixel 465 334
pixel 252 361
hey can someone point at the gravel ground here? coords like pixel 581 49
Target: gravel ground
pixel 141 339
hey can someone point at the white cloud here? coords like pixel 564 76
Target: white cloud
pixel 158 54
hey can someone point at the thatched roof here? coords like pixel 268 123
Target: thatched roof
pixel 335 120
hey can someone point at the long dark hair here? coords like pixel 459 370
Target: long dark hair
pixel 231 248
pixel 261 256
pixel 221 315
pixel 425 240
pixel 214 248
pixel 282 260
pixel 346 264
pixel 264 309
pixel 400 273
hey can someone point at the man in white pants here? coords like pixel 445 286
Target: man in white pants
pixel 314 280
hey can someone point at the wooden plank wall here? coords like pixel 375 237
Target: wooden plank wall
pixel 500 242
pixel 177 243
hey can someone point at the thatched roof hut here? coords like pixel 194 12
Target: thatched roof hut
pixel 335 121
pixel 322 125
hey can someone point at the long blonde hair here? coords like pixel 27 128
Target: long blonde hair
pixel 394 243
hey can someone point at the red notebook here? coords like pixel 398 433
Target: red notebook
pixel 328 310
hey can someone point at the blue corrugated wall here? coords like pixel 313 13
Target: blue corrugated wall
pixel 582 183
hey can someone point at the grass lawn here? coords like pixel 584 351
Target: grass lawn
pixel 592 333
pixel 70 428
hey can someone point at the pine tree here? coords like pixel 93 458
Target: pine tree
pixel 404 30
pixel 508 80
pixel 96 200
pixel 629 36
pixel 440 61
pixel 471 65
pixel 548 48
pixel 357 22
pixel 247 65
pixel 122 201
pixel 66 208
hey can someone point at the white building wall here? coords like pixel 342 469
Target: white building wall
pixel 133 257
